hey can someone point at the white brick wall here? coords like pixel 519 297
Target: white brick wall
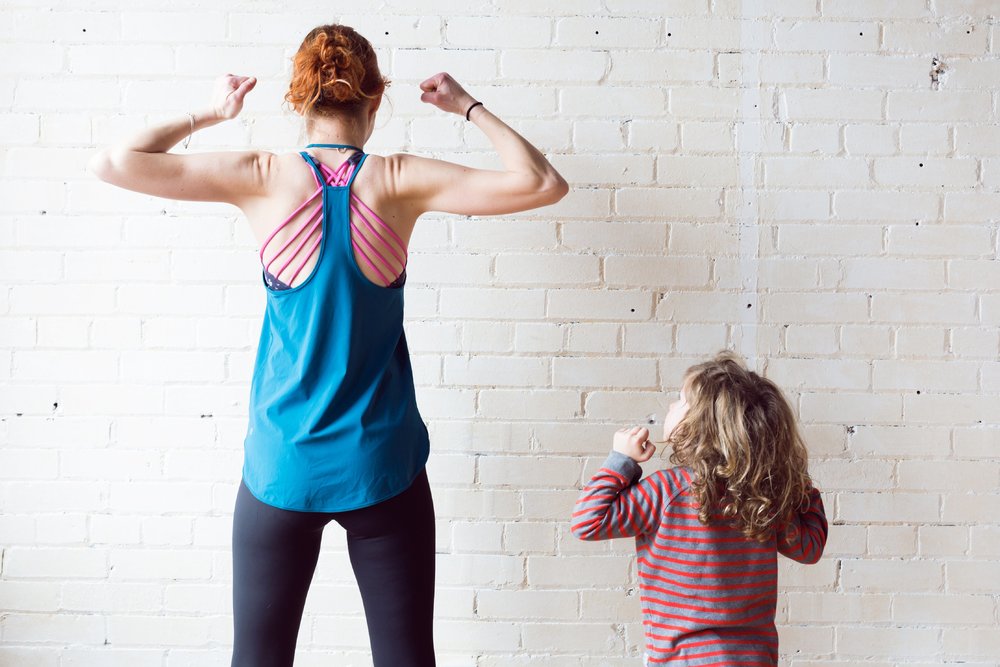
pixel 777 177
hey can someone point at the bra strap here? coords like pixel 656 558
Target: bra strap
pixel 316 172
pixel 348 146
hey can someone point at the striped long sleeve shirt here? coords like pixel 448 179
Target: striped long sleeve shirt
pixel 708 594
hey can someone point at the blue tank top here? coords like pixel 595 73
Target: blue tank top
pixel 334 424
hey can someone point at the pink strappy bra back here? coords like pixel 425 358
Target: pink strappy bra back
pixel 375 244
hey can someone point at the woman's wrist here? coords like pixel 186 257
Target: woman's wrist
pixel 206 118
pixel 471 108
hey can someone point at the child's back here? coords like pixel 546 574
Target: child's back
pixel 708 593
pixel 708 590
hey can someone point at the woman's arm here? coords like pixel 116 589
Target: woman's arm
pixel 527 181
pixel 142 163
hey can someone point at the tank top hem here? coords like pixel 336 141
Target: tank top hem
pixel 334 510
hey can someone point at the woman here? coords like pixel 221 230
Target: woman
pixel 334 430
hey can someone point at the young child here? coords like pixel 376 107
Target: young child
pixel 707 532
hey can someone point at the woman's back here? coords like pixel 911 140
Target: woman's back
pixel 334 423
pixel 284 225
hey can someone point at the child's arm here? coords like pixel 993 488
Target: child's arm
pixel 803 536
pixel 612 504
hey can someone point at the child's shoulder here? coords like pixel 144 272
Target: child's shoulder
pixel 676 480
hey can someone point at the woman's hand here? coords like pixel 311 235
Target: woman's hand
pixel 634 443
pixel 446 94
pixel 227 97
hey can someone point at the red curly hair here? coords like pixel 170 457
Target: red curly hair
pixel 334 71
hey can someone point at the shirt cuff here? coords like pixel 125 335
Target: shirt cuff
pixel 624 466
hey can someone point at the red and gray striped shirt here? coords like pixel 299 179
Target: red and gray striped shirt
pixel 708 594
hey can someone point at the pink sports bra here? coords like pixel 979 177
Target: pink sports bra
pixel 386 257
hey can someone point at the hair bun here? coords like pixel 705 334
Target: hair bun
pixel 335 69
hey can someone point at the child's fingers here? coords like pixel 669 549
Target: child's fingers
pixel 647 453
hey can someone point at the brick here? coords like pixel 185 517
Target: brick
pixel 507 32
pixel 589 372
pixel 656 272
pixel 403 31
pixel 626 169
pixel 577 270
pixel 651 338
pixel 494 235
pixel 822 307
pixel 926 375
pixel 888 641
pixel 660 66
pixel 553 572
pixel 863 139
pixel 951 408
pixel 65 628
pixel 528 472
pixel 75 563
pixel 926 139
pixel 833 36
pixel 943 540
pixel 496 371
pixel 973 577
pixel 476 537
pixel 831 104
pixel 926 172
pixel 707 34
pixel 537 404
pixel 528 604
pixel 935 240
pixel 815 138
pixel 674 203
pixel 791 68
pixel 597 338
pixel 696 171
pixel 606 32
pixel 913 308
pixel 837 172
pixel 969 508
pixel 554 65
pixel 808 607
pixel 883 205
pixel 703 103
pixel 951 38
pixel 473 303
pixel 679 306
pixel 172 27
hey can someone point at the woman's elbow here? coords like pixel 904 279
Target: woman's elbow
pixel 108 163
pixel 100 165
pixel 553 188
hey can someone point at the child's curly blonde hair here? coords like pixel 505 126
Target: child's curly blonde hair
pixel 740 438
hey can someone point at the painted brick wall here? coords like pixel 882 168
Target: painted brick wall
pixel 815 183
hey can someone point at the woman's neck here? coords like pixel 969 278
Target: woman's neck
pixel 330 131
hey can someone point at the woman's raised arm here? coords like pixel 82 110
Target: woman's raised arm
pixel 142 163
pixel 527 180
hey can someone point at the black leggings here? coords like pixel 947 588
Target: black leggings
pixel 391 546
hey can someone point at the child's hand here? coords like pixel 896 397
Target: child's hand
pixel 634 443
